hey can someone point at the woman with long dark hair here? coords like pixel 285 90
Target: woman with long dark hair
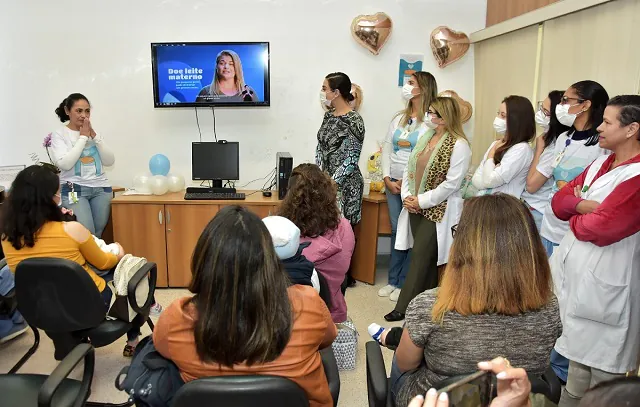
pixel 32 226
pixel 582 108
pixel 539 179
pixel 245 318
pixel 506 163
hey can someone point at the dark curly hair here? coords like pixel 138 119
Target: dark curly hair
pixel 311 201
pixel 30 205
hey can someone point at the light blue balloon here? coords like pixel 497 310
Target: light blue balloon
pixel 159 164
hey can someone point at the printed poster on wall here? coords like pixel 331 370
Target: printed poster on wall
pixel 409 64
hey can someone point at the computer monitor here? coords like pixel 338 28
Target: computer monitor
pixel 215 161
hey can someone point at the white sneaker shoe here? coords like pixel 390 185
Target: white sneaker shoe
pixel 386 290
pixel 395 295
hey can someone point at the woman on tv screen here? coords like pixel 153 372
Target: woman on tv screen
pixel 228 81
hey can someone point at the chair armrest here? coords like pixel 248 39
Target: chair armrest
pixel 332 373
pixel 62 371
pixel 377 383
pixel 151 269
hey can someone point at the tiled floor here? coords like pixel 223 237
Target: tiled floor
pixel 363 304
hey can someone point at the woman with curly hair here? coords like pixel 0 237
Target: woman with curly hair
pixel 311 203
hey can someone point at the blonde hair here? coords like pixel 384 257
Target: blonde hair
pixel 428 92
pixel 237 65
pixel 449 110
pixel 497 263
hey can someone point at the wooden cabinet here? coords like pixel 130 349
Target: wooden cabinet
pixel 140 229
pixel 184 224
pixel 165 229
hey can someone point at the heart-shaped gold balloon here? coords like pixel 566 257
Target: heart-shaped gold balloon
pixel 448 45
pixel 466 111
pixel 356 91
pixel 372 31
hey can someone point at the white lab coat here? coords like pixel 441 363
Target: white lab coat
pixel 598 289
pixel 448 190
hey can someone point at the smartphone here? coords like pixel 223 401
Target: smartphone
pixel 475 390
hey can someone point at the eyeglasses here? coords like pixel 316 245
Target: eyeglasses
pixel 542 109
pixel 454 228
pixel 565 100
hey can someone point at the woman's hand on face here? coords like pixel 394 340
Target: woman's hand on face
pixel 85 129
pixel 513 384
pixel 92 133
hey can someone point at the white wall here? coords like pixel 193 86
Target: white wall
pixel 49 49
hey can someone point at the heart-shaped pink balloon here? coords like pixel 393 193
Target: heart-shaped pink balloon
pixel 448 45
pixel 372 31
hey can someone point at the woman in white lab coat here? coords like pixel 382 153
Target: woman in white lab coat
pixel 596 268
pixel 506 163
pixel 431 197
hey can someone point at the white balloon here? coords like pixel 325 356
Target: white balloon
pixel 159 185
pixel 141 183
pixel 176 182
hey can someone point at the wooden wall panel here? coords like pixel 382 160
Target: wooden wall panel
pixel 501 10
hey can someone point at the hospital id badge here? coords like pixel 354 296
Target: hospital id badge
pixel 558 159
pixel 73 197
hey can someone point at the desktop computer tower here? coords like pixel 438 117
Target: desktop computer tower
pixel 284 166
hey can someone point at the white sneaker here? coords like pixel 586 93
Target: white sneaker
pixel 395 295
pixel 386 290
pixel 155 310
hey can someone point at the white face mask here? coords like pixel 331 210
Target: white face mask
pixel 323 99
pixel 543 120
pixel 407 92
pixel 563 115
pixel 500 125
pixel 428 122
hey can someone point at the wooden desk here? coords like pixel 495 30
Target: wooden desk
pixel 165 229
pixel 375 221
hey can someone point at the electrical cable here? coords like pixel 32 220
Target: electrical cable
pixel 198 123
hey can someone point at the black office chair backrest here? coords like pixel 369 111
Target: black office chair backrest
pixel 57 295
pixel 241 391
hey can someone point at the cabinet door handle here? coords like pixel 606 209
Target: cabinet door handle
pixel 160 217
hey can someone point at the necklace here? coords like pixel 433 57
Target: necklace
pixel 429 146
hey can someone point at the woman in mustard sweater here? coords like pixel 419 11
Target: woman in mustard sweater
pixel 32 226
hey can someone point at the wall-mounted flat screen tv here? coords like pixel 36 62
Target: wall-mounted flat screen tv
pixel 203 74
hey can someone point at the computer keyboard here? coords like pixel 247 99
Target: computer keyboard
pixel 214 196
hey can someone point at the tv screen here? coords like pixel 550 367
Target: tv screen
pixel 210 74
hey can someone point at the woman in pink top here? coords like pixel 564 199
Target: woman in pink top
pixel 311 203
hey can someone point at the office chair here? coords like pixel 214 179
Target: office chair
pixel 55 390
pixel 241 391
pixel 59 297
pixel 378 383
pixel 9 305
